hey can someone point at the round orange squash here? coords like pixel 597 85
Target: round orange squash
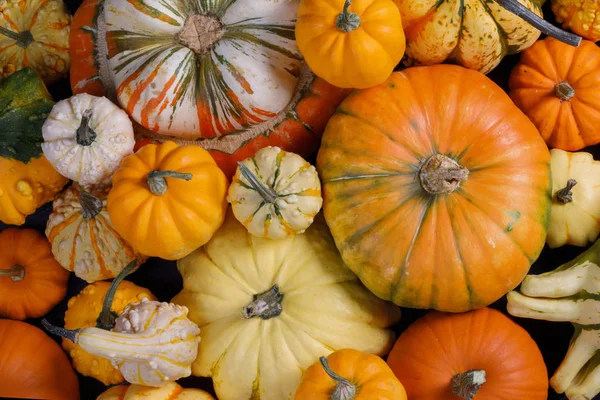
pixel 557 86
pixel 32 365
pixel 481 353
pixel 436 188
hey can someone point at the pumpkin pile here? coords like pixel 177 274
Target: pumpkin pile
pixel 234 199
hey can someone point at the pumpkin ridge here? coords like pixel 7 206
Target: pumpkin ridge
pixel 460 258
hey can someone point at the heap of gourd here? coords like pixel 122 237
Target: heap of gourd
pixel 186 138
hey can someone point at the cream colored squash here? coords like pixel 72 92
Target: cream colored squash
pixel 86 137
pixel 268 309
pixel 275 193
pixel 169 391
pixel 575 213
pixel 569 293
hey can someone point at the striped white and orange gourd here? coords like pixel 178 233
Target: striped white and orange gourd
pixel 223 74
pixel 275 193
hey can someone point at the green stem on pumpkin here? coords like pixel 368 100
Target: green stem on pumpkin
pixel 106 320
pixel 347 21
pixel 265 305
pixel 62 332
pixel 85 135
pixel 344 390
pixel 564 91
pixel 539 23
pixel 16 273
pixel 158 184
pixel 565 195
pixel 23 39
pixel 90 205
pixel 268 195
pixel 466 385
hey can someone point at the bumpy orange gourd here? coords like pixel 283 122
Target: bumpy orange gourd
pixel 349 374
pixel 169 391
pixel 436 188
pixel 167 200
pixel 32 365
pixel 83 312
pixel 449 356
pixel 580 16
pixel 31 281
pixel 350 44
pixel 557 86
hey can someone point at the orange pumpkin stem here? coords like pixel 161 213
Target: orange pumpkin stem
pixel 565 195
pixel 564 91
pixel 268 194
pixel 158 184
pixel 345 390
pixel 90 205
pixel 200 33
pixel 347 21
pixel 467 384
pixel 85 135
pixel 23 39
pixel 539 23
pixel 441 174
pixel 106 320
pixel 265 305
pixel 16 273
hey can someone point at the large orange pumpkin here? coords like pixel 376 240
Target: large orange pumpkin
pixel 436 188
pixel 33 366
pixel 557 86
pixel 481 353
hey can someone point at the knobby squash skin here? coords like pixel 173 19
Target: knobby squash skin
pixel 457 246
pixel 296 128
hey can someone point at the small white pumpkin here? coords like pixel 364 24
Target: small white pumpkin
pixel 152 343
pixel 86 137
pixel 275 193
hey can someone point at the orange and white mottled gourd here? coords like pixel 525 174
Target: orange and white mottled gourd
pixel 35 33
pixel 168 391
pixel 152 343
pixel 579 16
pixel 86 137
pixel 225 75
pixel 84 239
pixel 275 193
pixel 474 34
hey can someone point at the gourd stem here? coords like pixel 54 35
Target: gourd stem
pixel 565 195
pixel 106 320
pixel 539 23
pixel 345 390
pixel 467 384
pixel 16 273
pixel 158 184
pixel 90 205
pixel 265 305
pixel 564 91
pixel 268 195
pixel 441 174
pixel 62 332
pixel 347 21
pixel 85 135
pixel 23 39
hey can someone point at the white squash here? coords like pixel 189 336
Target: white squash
pixel 86 137
pixel 275 193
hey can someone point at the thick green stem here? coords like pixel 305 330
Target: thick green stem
pixel 23 39
pixel 268 195
pixel 16 273
pixel 90 205
pixel 347 21
pixel 106 320
pixel 62 332
pixel 345 390
pixel 466 385
pixel 565 195
pixel 539 23
pixel 564 91
pixel 85 135
pixel 158 184
pixel 265 305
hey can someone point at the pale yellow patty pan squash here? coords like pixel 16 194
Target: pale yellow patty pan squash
pixel 268 309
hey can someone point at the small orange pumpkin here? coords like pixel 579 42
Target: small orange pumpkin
pixel 32 282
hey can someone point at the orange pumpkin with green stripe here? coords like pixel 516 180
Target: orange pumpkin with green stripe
pixel 223 75
pixel 83 237
pixel 436 188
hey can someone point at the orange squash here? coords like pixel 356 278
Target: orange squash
pixel 32 282
pixel 557 86
pixel 33 366
pixel 480 353
pixel 436 188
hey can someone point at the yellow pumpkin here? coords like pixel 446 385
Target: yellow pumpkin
pixel 350 45
pixel 167 200
pixel 169 391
